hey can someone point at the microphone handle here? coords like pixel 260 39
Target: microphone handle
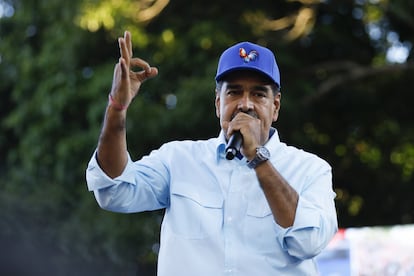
pixel 234 145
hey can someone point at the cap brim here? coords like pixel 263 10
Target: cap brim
pixel 223 75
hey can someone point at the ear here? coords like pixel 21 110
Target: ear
pixel 217 104
pixel 276 104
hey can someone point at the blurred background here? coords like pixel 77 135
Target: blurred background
pixel 347 73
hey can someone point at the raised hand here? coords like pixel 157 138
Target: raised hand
pixel 126 82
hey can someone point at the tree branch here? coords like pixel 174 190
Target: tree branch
pixel 347 72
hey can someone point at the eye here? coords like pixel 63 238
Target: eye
pixel 259 94
pixel 233 92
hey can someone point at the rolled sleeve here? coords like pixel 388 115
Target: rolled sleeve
pixel 142 186
pixel 311 231
pixel 97 179
pixel 306 215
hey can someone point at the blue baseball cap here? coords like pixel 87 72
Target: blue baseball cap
pixel 248 56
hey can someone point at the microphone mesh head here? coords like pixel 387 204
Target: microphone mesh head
pixel 230 153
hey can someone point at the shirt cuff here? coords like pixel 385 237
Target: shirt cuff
pixel 306 216
pixel 97 179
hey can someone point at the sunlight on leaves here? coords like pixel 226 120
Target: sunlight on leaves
pixel 368 154
pixel 299 23
pixel 106 14
pixel 403 156
pixel 316 136
pixel 373 13
pixel 355 205
pixel 340 150
pixel 99 15
pixel 167 36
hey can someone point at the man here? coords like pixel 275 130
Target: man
pixel 268 211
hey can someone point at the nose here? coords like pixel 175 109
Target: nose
pixel 245 103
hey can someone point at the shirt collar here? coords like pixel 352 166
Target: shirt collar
pixel 221 146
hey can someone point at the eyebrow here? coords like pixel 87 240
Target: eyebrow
pixel 262 88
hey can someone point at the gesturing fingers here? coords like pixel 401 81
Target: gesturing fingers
pixel 126 74
pixel 124 68
pixel 140 63
pixel 128 42
pixel 146 72
pixel 123 50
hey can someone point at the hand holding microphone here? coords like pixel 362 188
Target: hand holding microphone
pixel 251 124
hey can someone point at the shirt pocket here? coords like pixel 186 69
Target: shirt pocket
pixel 195 213
pixel 260 228
pixel 262 232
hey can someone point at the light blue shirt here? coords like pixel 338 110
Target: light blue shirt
pixel 217 220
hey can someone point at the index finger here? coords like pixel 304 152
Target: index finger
pixel 138 62
pixel 128 42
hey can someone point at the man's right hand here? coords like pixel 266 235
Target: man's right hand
pixel 112 147
pixel 126 82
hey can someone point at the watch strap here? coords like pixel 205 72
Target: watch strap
pixel 259 158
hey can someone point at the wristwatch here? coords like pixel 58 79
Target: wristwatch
pixel 262 155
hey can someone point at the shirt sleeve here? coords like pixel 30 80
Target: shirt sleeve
pixel 142 186
pixel 97 179
pixel 315 221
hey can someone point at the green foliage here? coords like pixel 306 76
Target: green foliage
pixel 341 100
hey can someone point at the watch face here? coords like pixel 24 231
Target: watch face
pixel 263 153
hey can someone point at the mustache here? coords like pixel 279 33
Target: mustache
pixel 248 112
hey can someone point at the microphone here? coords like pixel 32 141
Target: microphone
pixel 233 145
